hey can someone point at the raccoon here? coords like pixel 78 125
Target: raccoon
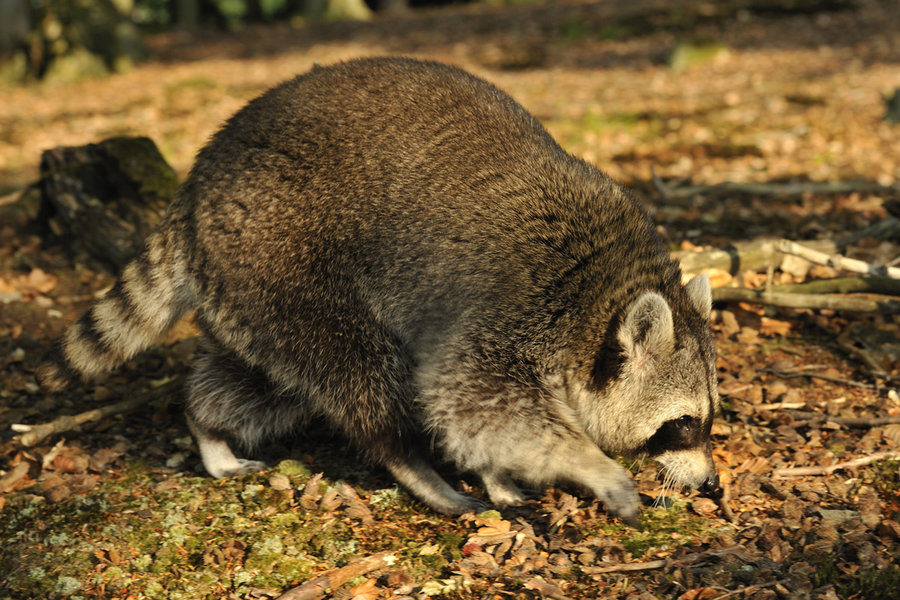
pixel 399 248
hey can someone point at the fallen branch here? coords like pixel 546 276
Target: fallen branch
pixel 860 422
pixel 882 230
pixel 771 188
pixel 794 374
pixel 33 434
pixel 324 584
pixel 723 499
pixel 789 300
pixel 836 261
pixel 742 256
pixel 829 469
pixel 659 564
pixel 749 589
pixel 843 285
pixel 851 347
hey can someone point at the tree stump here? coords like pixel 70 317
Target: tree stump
pixel 104 199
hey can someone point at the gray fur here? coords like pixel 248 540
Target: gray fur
pixel 400 248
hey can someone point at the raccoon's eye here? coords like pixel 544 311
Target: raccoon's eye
pixel 683 432
pixel 684 423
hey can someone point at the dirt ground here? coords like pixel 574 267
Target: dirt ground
pixel 662 96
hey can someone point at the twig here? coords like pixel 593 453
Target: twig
pixel 837 261
pixel 793 374
pixel 779 189
pixel 861 422
pixel 33 434
pixel 885 229
pixel 850 346
pixel 742 256
pixel 661 188
pixel 749 588
pixel 658 564
pixel 625 567
pixel 829 469
pixel 324 584
pixel 723 499
pixel 788 300
pixel 843 285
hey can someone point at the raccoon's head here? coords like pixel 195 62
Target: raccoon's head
pixel 653 389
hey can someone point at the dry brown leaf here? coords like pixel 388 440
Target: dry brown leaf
pixel 748 336
pixel 892 432
pixel 542 587
pixel 500 527
pixel 280 481
pixel 729 323
pixel 772 327
pixel 41 281
pixel 704 506
pixel 703 593
pixel 755 464
pixel 18 474
pixel 718 277
pixel 367 590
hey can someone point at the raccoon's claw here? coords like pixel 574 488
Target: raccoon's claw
pixel 472 505
pixel 243 467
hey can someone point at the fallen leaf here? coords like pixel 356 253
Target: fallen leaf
pixel 774 327
pixel 367 590
pixel 748 336
pixel 280 481
pixel 40 281
pixel 892 432
pixel 704 506
pixel 703 593
pixel 542 587
pixel 13 477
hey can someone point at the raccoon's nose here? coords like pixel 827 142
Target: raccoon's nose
pixel 710 484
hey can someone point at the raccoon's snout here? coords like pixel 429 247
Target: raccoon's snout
pixel 710 484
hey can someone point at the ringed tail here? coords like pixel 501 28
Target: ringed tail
pixel 152 293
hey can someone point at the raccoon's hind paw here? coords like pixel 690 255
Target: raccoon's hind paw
pixel 420 478
pixel 218 459
pixel 242 466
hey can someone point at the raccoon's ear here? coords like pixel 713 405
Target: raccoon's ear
pixel 700 293
pixel 647 331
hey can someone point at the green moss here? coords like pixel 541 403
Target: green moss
pixel 869 582
pixel 576 132
pixel 387 497
pixel 687 54
pixel 873 584
pixel 661 529
pixel 293 468
pixel 200 538
pixel 188 541
pixel 886 478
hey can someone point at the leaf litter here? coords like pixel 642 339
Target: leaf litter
pixel 119 508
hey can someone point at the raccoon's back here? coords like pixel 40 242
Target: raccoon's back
pixel 413 190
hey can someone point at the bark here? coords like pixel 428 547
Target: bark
pixel 756 255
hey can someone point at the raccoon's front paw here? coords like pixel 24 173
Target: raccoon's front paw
pixel 459 505
pixel 620 497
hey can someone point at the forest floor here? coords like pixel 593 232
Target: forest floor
pixel 737 92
